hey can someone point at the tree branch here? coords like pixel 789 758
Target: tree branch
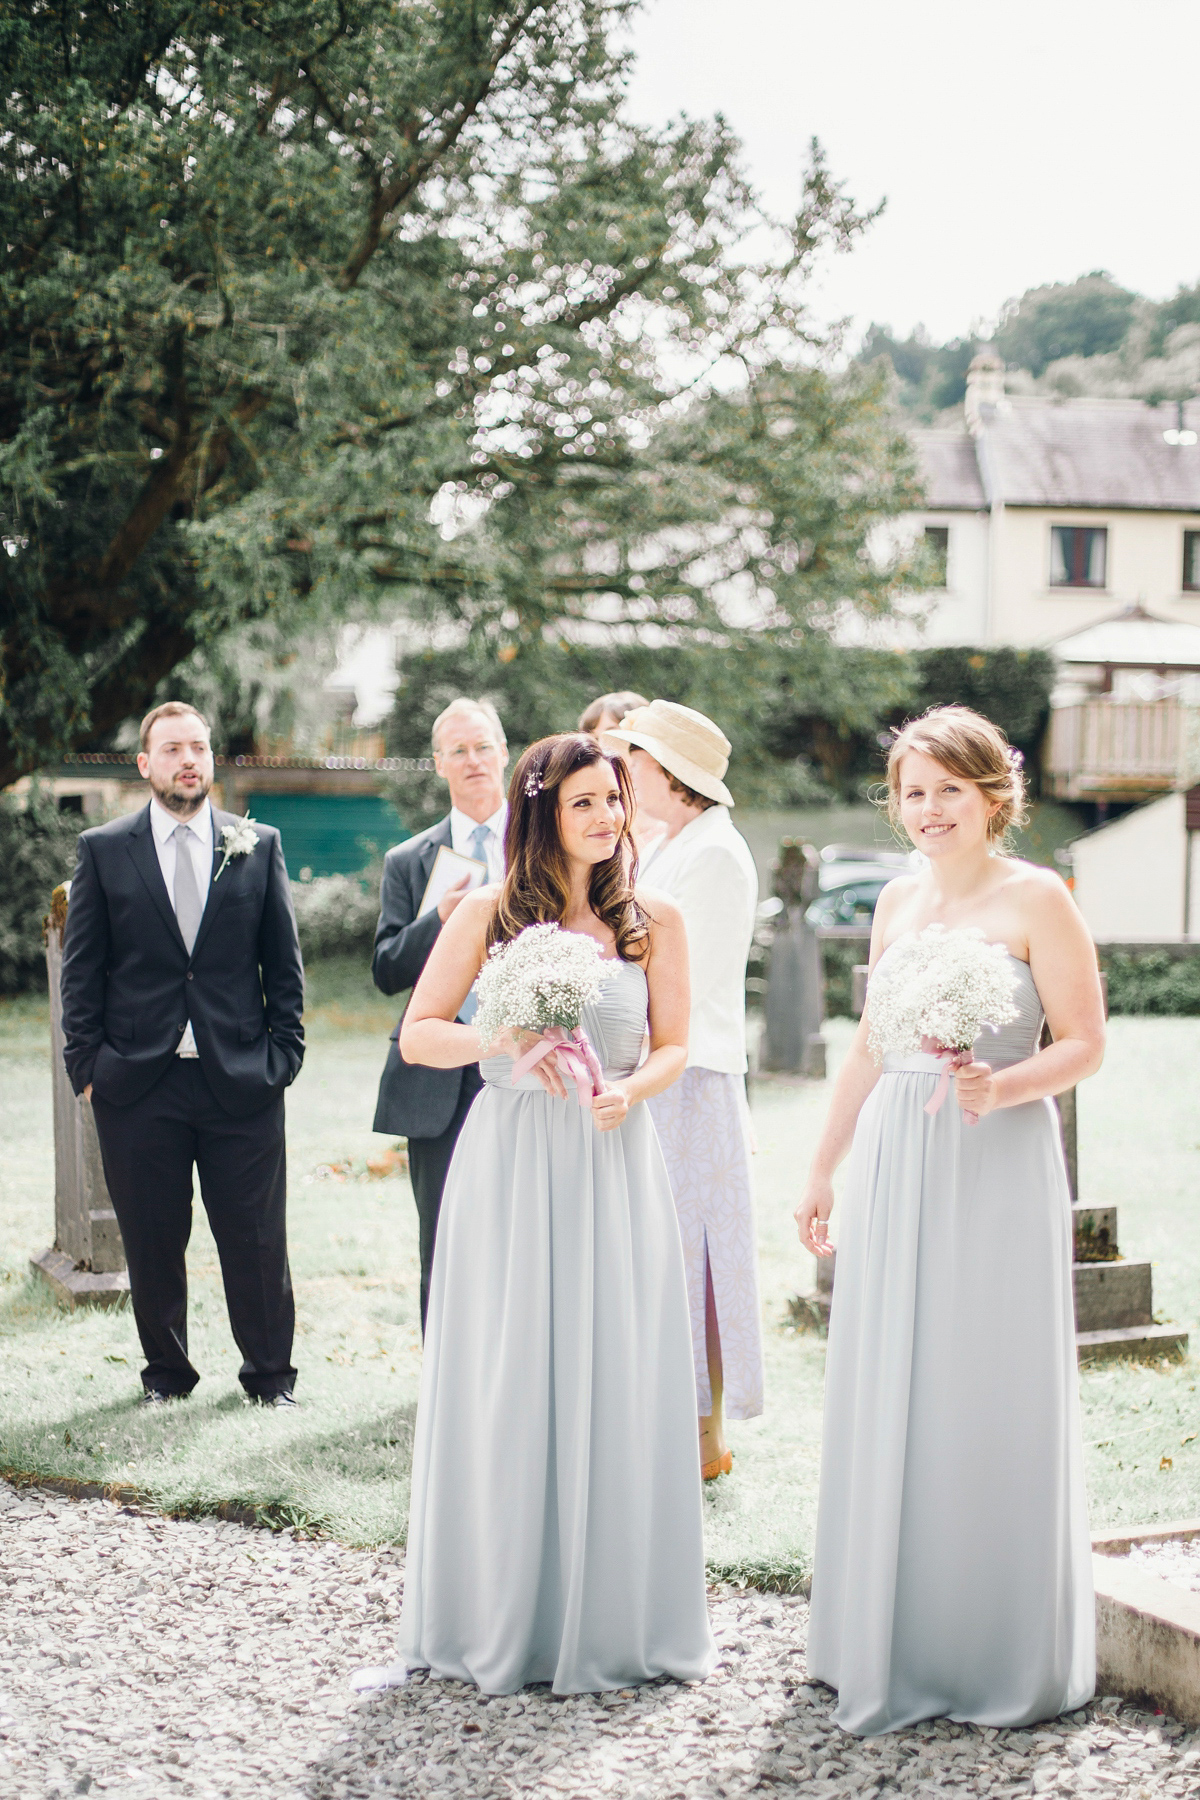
pixel 388 198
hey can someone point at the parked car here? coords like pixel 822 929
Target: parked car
pixel 851 880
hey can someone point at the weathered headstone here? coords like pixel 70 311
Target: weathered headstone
pixel 86 1265
pixel 795 1008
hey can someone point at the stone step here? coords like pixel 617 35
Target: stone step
pixel 1140 1343
pixel 79 1287
pixel 1095 1233
pixel 1112 1296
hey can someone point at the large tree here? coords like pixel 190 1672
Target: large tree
pixel 305 301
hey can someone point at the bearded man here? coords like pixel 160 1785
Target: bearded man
pixel 182 995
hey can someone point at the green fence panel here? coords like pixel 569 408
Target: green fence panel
pixel 329 834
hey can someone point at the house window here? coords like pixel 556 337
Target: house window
pixel 1191 562
pixel 937 546
pixel 1078 555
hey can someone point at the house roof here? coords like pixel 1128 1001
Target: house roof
pixel 950 470
pixel 1034 450
pixel 1134 639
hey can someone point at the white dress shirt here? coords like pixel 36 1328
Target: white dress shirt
pixel 200 847
pixel 462 829
pixel 708 871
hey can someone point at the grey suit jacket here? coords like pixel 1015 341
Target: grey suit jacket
pixel 414 1101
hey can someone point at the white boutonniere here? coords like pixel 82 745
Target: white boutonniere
pixel 236 840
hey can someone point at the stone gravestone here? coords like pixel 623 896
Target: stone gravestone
pixel 795 1009
pixel 86 1265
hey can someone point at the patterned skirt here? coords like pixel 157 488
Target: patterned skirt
pixel 703 1126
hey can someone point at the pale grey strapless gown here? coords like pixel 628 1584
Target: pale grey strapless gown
pixel 555 1530
pixel 953 1565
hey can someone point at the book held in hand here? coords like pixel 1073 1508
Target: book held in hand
pixel 447 871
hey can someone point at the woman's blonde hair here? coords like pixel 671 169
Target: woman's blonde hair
pixel 975 750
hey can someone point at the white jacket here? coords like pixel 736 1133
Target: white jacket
pixel 708 871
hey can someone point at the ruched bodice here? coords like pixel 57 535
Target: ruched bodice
pixel 1011 1043
pixel 615 1025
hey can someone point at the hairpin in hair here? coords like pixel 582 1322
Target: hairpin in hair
pixel 533 784
pixel 1016 757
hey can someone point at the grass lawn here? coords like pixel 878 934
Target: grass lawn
pixel 68 1381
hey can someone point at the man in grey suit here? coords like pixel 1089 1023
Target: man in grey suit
pixel 428 1106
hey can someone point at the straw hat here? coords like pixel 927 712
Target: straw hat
pixel 688 745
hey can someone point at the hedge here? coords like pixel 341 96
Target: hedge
pixel 1153 981
pixel 336 915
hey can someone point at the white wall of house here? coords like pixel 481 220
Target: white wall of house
pixel 1130 875
pixel 998 578
pixel 1145 562
pixel 957 613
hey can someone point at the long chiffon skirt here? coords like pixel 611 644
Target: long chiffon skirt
pixel 953 1563
pixel 556 1521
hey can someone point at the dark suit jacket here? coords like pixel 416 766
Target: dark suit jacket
pixel 414 1101
pixel 129 986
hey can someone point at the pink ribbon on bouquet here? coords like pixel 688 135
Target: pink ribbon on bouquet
pixel 574 1056
pixel 952 1060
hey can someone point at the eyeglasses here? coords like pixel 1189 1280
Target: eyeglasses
pixel 460 752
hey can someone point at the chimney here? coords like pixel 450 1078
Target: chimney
pixel 985 387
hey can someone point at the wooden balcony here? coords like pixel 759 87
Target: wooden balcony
pixel 1121 749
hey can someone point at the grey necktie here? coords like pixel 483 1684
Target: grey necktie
pixel 478 846
pixel 187 894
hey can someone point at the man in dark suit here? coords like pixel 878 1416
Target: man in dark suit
pixel 182 992
pixel 428 1106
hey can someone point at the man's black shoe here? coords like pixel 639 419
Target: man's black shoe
pixel 284 1397
pixel 152 1397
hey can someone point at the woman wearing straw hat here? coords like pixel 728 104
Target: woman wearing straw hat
pixel 678 759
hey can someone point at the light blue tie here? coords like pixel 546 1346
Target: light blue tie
pixel 480 838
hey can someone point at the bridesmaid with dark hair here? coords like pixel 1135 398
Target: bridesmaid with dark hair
pixel 555 1526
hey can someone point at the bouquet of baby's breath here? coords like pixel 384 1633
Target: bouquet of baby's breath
pixel 936 990
pixel 542 978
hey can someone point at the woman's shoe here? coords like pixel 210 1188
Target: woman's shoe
pixel 721 1466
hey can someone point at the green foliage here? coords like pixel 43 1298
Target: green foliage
pixel 929 376
pixel 1152 981
pixel 1183 308
pixel 838 958
pixel 309 306
pixel 802 716
pixel 336 915
pixel 1078 318
pixel 37 851
pixel 805 718
pixel 1010 687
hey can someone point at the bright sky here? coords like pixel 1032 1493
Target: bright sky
pixel 1016 144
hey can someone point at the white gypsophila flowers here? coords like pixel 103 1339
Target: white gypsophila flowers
pixel 940 985
pixel 238 839
pixel 544 976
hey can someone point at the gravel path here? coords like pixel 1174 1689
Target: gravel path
pixel 147 1657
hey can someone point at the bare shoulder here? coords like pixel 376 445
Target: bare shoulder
pixel 1033 885
pixel 893 896
pixel 481 900
pixel 473 914
pixel 659 908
